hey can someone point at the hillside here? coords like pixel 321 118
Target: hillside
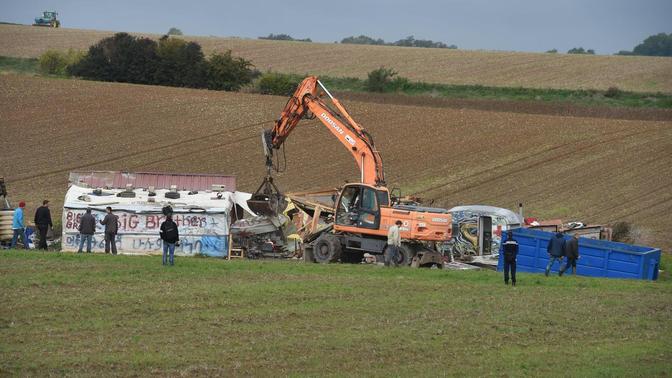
pixel 596 168
pixel 511 69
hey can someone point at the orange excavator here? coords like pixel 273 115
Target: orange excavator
pixel 364 211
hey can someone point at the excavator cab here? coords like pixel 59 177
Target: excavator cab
pixel 359 206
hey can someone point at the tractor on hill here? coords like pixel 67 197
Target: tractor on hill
pixel 48 19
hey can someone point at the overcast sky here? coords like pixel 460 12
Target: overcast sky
pixel 517 25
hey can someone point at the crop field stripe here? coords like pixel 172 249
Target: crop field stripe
pixel 153 149
pixel 513 163
pixel 536 163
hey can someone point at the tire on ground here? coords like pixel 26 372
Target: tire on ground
pixel 405 255
pixel 327 248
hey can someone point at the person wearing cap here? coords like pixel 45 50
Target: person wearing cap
pixel 43 222
pixel 18 226
pixel 510 255
pixel 87 227
pixel 393 244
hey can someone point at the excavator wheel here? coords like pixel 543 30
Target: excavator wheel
pixel 405 256
pixel 327 249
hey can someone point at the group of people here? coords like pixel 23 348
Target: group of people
pixel 558 248
pixel 42 223
pixel 87 227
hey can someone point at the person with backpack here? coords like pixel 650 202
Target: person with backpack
pixel 510 255
pixel 556 250
pixel 171 237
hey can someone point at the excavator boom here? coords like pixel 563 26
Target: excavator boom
pixel 304 103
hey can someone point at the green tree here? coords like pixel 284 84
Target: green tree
pixel 277 84
pixel 380 79
pixel 229 73
pixel 552 51
pixel 174 31
pixel 362 40
pixel 581 50
pixel 180 64
pixel 655 45
pixel 122 58
pixel 53 62
pixel 284 37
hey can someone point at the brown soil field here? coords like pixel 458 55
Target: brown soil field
pixel 595 169
pixel 491 68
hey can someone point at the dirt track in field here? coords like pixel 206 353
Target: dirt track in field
pixel 492 68
pixel 596 169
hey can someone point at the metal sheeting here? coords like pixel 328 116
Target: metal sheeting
pixel 183 181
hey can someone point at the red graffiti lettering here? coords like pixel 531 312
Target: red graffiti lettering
pixel 133 222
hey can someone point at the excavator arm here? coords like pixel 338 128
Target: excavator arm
pixel 306 103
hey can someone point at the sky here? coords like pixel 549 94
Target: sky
pixel 606 26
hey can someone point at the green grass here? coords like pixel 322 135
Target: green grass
pixel 18 65
pixel 93 314
pixel 404 87
pixel 581 97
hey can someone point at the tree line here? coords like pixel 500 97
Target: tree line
pixel 168 61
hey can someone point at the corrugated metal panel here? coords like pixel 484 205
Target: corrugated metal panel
pixel 183 181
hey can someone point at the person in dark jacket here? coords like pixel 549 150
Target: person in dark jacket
pixel 87 227
pixel 111 227
pixel 556 250
pixel 571 254
pixel 170 237
pixel 43 222
pixel 510 255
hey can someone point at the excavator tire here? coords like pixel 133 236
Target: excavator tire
pixel 405 256
pixel 327 249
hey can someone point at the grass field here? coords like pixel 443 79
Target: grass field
pixel 440 66
pixel 97 314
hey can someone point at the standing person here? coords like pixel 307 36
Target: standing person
pixel 87 227
pixel 510 255
pixel 111 227
pixel 555 249
pixel 393 244
pixel 18 226
pixel 43 222
pixel 170 237
pixel 572 254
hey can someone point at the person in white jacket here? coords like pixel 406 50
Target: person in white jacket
pixel 393 244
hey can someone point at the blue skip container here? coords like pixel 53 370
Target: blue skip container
pixel 597 258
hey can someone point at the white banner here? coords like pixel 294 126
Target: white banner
pixel 200 233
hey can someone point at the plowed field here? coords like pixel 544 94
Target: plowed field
pixel 596 169
pixel 511 69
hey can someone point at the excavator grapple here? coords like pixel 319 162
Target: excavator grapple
pixel 267 200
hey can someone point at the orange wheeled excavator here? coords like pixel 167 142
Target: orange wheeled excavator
pixel 364 210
